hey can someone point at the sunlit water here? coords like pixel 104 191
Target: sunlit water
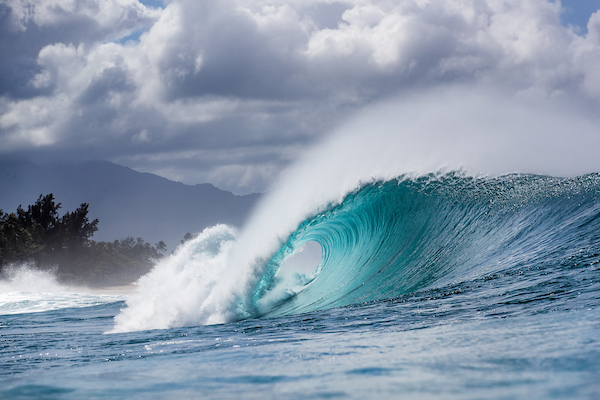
pixel 532 335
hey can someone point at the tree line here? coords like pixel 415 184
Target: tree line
pixel 42 238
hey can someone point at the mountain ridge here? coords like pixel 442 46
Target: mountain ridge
pixel 126 202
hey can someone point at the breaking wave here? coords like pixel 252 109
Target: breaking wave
pixel 408 196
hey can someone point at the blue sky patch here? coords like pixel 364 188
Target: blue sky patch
pixel 577 13
pixel 153 3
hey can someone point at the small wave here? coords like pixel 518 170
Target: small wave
pixel 24 289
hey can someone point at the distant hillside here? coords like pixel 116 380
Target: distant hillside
pixel 127 203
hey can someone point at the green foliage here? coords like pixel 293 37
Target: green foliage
pixel 16 242
pixel 40 236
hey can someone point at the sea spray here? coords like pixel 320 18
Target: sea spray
pixel 25 278
pixel 420 137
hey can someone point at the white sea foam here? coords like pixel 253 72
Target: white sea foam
pixel 474 130
pixel 180 289
pixel 25 290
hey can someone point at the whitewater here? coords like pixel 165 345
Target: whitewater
pixel 442 244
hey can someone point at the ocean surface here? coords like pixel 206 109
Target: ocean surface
pixel 438 286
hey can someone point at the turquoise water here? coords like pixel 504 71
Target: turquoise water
pixel 444 286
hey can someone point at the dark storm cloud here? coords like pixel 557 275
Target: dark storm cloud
pixel 112 80
pixel 327 15
pixel 231 91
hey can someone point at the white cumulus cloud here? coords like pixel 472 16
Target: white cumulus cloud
pixel 231 91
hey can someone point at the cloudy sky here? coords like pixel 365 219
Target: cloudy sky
pixel 231 91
